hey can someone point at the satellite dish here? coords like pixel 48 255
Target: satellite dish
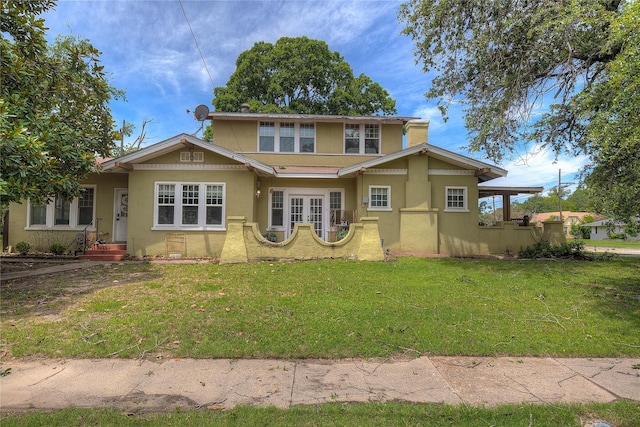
pixel 201 113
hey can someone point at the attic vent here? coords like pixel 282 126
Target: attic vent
pixel 192 156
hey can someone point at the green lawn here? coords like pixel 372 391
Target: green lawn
pixel 620 414
pixel 615 243
pixel 337 309
pixel 333 309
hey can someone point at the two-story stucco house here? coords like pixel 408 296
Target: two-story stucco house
pixel 269 174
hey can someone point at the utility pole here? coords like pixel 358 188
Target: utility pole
pixel 561 186
pixel 560 194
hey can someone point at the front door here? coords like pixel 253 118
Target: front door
pixel 307 209
pixel 121 214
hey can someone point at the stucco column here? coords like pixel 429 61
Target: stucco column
pixel 370 245
pixel 553 232
pixel 234 249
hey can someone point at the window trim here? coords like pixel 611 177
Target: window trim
pixel 296 137
pixel 272 227
pixel 465 196
pixel 362 138
pixel 74 214
pixel 202 205
pixel 388 207
pixel 287 192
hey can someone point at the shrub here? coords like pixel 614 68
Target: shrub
pixel 544 249
pixel 57 248
pixel 23 247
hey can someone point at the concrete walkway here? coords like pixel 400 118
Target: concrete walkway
pixel 136 386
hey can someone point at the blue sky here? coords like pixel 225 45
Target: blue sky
pixel 150 53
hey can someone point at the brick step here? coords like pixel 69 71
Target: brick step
pixel 104 257
pixel 110 246
pixel 105 252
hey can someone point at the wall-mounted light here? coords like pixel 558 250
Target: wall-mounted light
pixel 258 188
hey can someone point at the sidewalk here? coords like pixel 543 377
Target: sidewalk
pixel 134 385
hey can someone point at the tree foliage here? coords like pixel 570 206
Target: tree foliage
pixel 300 75
pixel 54 114
pixel 577 59
pixel 578 201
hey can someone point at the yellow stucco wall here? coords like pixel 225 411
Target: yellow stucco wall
pixel 143 240
pixel 41 239
pixel 242 136
pixel 245 243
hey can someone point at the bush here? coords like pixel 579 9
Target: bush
pixel 57 248
pixel 23 247
pixel 544 249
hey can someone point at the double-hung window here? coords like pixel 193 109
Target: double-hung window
pixel 286 137
pixel 277 209
pixel 189 205
pixel 456 199
pixel 361 138
pixel 379 198
pixel 62 213
pixel 267 135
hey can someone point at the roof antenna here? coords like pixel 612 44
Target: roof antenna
pixel 200 114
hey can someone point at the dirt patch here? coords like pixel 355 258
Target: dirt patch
pixel 49 294
pixel 12 264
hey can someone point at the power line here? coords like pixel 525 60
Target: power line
pixel 196 42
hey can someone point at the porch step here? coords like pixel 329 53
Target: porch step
pixel 105 252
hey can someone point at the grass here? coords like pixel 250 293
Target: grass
pixel 620 414
pixel 615 243
pixel 338 309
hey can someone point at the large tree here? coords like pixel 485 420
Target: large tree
pixel 54 113
pixel 300 75
pixel 577 61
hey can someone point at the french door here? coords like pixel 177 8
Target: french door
pixel 307 209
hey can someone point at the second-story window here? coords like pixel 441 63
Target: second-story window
pixel 361 138
pixel 307 138
pixel 267 136
pixel 286 137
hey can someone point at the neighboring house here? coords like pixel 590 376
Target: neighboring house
pixel 271 172
pixel 601 230
pixel 569 219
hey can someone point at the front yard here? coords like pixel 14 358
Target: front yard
pixel 328 309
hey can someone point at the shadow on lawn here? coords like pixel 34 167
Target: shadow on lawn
pixel 619 297
pixel 51 294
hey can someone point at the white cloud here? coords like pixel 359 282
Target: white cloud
pixel 541 169
pixel 436 123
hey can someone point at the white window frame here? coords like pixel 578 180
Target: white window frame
pixel 362 139
pixel 296 138
pixel 465 199
pixel 177 207
pixel 380 208
pixel 288 191
pixel 73 215
pixel 272 227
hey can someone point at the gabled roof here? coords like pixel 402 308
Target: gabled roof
pixel 606 221
pixel 168 145
pixel 485 171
